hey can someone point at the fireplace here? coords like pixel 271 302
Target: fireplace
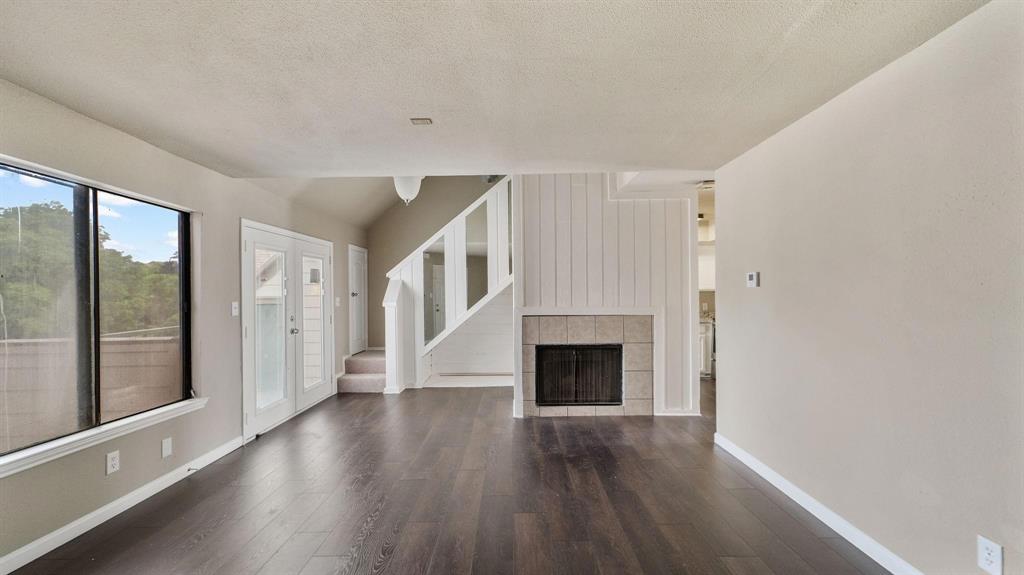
pixel 587 365
pixel 579 374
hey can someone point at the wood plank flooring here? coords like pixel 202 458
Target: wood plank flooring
pixel 445 481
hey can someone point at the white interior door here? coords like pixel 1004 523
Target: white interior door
pixel 287 325
pixel 439 298
pixel 357 299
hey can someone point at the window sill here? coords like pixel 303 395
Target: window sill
pixel 44 452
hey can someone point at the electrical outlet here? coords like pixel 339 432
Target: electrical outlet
pixel 990 556
pixel 113 462
pixel 166 448
pixel 753 279
pixel 235 310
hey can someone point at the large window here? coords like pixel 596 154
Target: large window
pixel 93 307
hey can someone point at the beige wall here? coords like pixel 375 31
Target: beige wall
pixel 404 228
pixel 879 366
pixel 34 129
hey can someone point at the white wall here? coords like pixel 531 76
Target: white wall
pixel 583 252
pixel 879 367
pixel 482 344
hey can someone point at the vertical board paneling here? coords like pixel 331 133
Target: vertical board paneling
pixel 563 240
pixel 642 233
pixel 579 240
pixel 531 240
pixel 611 254
pixel 627 263
pixel 674 349
pixel 548 242
pixel 658 252
pixel 595 253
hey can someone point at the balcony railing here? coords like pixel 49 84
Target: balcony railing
pixel 38 383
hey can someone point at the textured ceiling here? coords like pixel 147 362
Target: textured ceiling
pixel 263 88
pixel 357 201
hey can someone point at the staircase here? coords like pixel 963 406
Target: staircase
pixel 419 298
pixel 364 373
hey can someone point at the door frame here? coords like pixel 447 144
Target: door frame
pixel 352 249
pixel 248 382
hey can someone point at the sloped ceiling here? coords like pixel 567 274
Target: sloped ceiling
pixel 357 201
pixel 270 89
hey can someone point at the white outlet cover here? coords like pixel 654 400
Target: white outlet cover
pixel 234 309
pixel 990 556
pixel 113 462
pixel 753 279
pixel 166 448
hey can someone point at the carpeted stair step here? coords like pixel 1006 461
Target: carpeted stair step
pixel 361 383
pixel 366 362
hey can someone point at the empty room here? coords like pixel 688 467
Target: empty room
pixel 699 287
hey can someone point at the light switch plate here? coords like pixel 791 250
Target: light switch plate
pixel 166 448
pixel 113 462
pixel 753 279
pixel 990 556
pixel 337 302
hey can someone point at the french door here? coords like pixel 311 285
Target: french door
pixel 287 325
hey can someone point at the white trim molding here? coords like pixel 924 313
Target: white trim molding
pixel 29 457
pixel 36 549
pixel 882 555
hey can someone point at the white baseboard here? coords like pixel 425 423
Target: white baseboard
pixel 469 380
pixel 676 413
pixel 883 556
pixel 36 549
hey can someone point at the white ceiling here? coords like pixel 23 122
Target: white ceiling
pixel 324 89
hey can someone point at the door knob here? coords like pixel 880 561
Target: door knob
pixel 294 330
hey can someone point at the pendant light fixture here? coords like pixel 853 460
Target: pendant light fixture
pixel 408 187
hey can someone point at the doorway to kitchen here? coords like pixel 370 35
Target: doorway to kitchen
pixel 706 284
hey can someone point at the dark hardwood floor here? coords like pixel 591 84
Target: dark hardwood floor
pixel 445 481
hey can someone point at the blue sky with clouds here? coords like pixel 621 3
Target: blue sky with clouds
pixel 146 232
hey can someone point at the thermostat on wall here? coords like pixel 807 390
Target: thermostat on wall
pixel 753 279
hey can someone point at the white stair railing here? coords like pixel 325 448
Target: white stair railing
pixel 434 290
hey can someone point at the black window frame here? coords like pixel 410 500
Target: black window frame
pixel 87 247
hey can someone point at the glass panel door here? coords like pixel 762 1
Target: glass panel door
pixel 313 339
pixel 287 323
pixel 269 326
pixel 268 316
pixel 312 321
pixel 269 322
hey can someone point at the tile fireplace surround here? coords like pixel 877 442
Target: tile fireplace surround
pixel 634 332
